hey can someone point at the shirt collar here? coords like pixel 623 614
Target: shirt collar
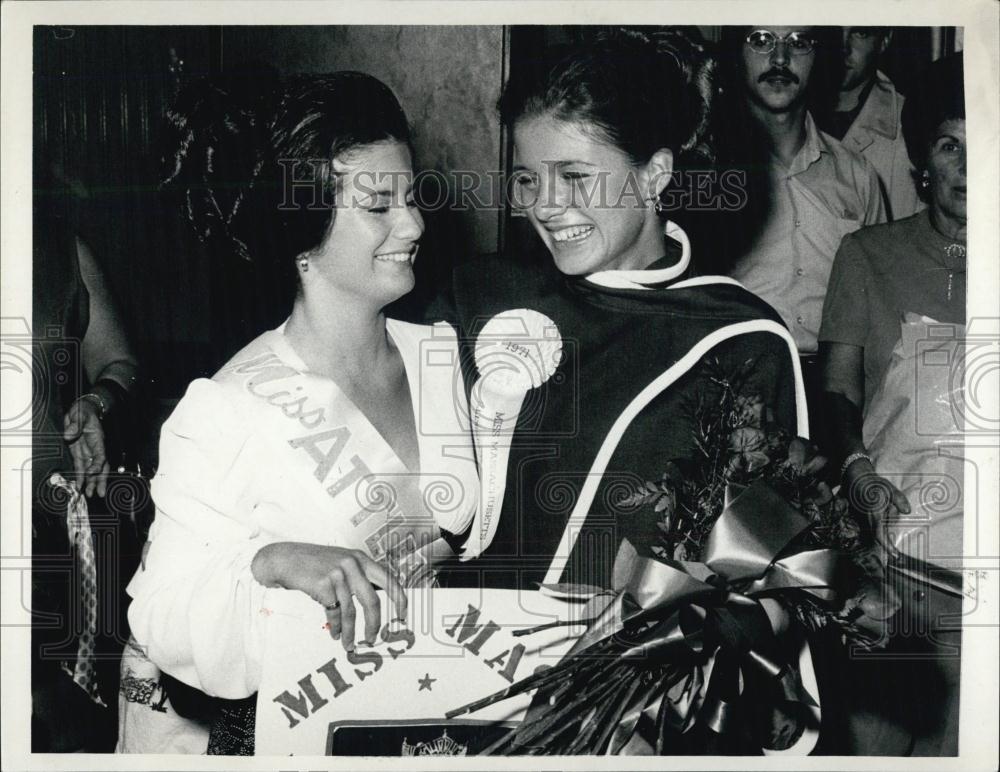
pixel 880 110
pixel 811 149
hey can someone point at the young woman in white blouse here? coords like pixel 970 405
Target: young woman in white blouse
pixel 313 460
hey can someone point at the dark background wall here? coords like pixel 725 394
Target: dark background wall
pixel 99 100
pixel 448 80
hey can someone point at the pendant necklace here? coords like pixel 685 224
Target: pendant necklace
pixel 954 252
pixel 954 257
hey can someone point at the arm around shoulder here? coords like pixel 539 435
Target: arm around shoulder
pixel 107 354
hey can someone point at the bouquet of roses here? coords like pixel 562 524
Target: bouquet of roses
pixel 708 632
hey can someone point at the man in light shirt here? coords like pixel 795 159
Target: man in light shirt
pixel 864 114
pixel 819 190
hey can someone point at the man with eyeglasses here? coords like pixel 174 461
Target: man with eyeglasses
pixel 818 190
pixel 864 114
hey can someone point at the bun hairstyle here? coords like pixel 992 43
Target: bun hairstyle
pixel 241 141
pixel 940 98
pixel 218 140
pixel 639 90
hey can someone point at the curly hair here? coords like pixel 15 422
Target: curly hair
pixel 218 142
pixel 253 154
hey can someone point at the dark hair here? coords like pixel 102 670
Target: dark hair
pixel 636 89
pixel 940 98
pixel 242 137
pixel 216 142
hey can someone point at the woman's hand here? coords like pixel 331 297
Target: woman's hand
pixel 874 497
pixel 333 577
pixel 84 434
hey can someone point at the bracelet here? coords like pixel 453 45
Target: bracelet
pixel 101 407
pixel 111 387
pixel 852 458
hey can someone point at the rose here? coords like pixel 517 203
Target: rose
pixel 748 443
pixel 749 410
pixel 747 439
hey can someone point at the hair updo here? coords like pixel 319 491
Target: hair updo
pixel 639 91
pixel 241 139
pixel 217 140
pixel 940 98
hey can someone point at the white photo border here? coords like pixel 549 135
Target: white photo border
pixel 981 22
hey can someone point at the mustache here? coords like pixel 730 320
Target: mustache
pixel 776 72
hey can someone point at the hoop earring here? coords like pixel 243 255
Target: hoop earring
pixel 657 204
pixel 303 264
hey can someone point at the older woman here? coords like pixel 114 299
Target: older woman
pixel 308 461
pixel 890 283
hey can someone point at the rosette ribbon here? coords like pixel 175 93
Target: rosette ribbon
pixel 516 351
pixel 695 642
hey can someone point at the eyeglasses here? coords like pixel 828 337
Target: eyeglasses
pixel 764 41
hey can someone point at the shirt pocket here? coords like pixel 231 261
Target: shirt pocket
pixel 826 236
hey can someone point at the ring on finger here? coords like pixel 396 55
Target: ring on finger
pixel 332 606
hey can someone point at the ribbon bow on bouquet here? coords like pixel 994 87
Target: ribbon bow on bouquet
pixel 684 643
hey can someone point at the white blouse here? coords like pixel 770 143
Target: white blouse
pixel 267 451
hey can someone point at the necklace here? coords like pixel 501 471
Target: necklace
pixel 953 260
pixel 954 252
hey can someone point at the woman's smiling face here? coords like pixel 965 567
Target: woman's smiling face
pixel 370 249
pixel 946 169
pixel 585 198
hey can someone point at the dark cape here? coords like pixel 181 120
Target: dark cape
pixel 615 342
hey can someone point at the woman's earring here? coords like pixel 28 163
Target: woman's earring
pixel 657 204
pixel 925 180
pixel 303 264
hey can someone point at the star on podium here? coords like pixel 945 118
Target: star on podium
pixel 425 682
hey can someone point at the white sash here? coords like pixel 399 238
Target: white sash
pixel 364 496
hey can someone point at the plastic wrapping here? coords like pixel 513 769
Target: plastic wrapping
pixel 912 429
